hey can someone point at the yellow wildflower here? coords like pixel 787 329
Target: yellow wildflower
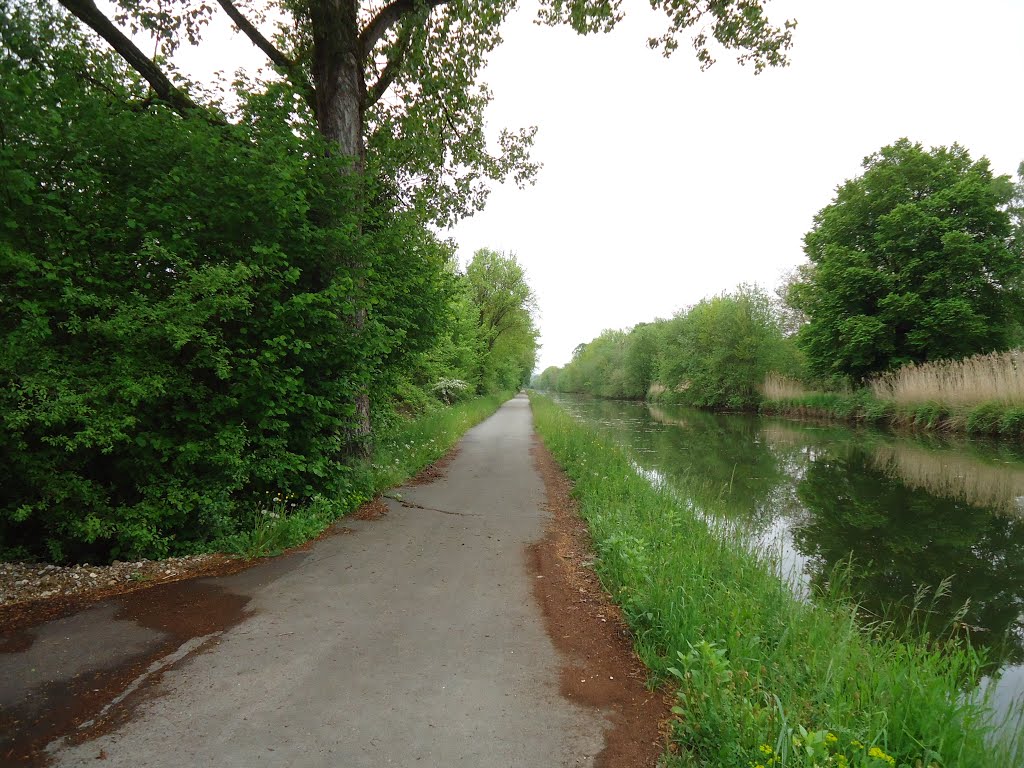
pixel 878 754
pixel 766 749
pixel 831 738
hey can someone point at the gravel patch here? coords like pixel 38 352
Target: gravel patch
pixel 27 582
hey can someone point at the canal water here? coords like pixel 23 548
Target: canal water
pixel 902 513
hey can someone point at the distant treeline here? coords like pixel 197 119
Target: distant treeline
pixel 920 259
pixel 713 355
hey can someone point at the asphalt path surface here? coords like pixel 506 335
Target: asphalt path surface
pixel 413 640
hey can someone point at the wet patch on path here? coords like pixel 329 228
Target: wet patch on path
pixel 71 679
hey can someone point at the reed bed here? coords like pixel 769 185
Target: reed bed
pixel 994 378
pixel 779 387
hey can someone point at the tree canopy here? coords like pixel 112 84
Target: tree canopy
pixel 506 308
pixel 203 284
pixel 910 262
pixel 399 79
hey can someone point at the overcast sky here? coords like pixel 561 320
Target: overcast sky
pixel 663 184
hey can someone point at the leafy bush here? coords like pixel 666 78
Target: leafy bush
pixel 1012 423
pixel 178 304
pixel 451 390
pixel 717 354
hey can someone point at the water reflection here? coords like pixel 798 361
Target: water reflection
pixel 910 511
pixel 989 486
pixel 902 538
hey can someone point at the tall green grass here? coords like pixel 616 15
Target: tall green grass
pixel 763 678
pixel 404 447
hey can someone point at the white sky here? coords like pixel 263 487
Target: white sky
pixel 662 184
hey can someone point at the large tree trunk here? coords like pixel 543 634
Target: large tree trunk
pixel 338 75
pixel 340 87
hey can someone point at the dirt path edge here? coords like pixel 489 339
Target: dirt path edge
pixel 601 670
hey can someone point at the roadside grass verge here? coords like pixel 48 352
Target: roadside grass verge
pixel 403 447
pixel 763 678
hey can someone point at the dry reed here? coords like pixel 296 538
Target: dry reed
pixel 779 387
pixel 996 377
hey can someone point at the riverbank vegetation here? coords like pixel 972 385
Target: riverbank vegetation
pixel 983 395
pixel 763 678
pixel 907 312
pixel 715 354
pixel 217 290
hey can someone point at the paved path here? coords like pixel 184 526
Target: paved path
pixel 414 641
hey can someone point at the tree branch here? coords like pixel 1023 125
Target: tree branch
pixel 391 71
pixel 276 57
pixel 257 38
pixel 388 16
pixel 87 12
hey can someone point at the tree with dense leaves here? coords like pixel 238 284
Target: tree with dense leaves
pixel 401 77
pixel 506 307
pixel 911 262
pixel 343 57
pixel 717 353
pixel 173 324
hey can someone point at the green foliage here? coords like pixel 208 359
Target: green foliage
pixel 405 447
pixel 717 354
pixel 176 316
pixel 640 359
pixel 505 306
pixel 714 355
pixel 989 418
pixel 409 445
pixel 762 675
pixel 985 418
pixel 195 297
pixel 740 26
pixel 547 379
pixel 910 263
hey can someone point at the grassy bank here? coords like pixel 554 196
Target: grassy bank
pixel 993 418
pixel 763 679
pixel 404 447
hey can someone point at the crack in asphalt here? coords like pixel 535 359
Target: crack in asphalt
pixel 414 505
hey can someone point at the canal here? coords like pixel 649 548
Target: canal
pixel 908 518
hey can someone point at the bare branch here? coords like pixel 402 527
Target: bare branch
pixel 255 35
pixel 276 56
pixel 388 16
pixel 87 12
pixel 391 70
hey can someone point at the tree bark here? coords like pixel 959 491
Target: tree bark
pixel 340 86
pixel 338 76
